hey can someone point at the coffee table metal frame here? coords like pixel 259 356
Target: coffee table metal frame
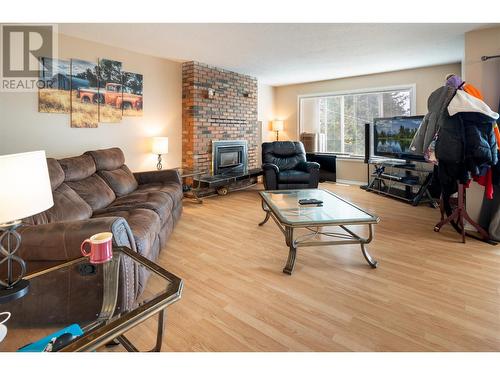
pixel 346 237
pixel 108 329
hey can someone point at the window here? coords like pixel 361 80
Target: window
pixel 339 119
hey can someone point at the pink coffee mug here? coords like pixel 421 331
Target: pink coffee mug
pixel 101 247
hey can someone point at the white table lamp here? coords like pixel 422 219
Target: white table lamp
pixel 278 126
pixel 24 191
pixel 160 147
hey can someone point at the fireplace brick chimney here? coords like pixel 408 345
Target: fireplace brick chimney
pixel 216 105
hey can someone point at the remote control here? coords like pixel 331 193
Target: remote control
pixel 310 202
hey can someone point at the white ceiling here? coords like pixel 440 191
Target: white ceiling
pixel 279 54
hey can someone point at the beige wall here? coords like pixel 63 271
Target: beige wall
pixel 485 75
pixel 426 80
pixel 266 111
pixel 22 128
pixel 265 114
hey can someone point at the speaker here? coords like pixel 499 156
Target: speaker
pixel 367 143
pixel 367 155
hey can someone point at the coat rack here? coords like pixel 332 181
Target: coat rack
pixel 458 216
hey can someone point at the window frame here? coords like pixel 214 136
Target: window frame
pixel 411 87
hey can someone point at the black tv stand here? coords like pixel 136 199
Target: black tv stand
pixel 407 181
pixel 406 165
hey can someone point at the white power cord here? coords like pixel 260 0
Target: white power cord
pixel 3 328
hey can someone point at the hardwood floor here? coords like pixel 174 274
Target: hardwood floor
pixel 430 292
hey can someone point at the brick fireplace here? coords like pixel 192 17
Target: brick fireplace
pixel 217 105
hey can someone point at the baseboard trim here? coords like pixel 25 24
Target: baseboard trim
pixel 350 182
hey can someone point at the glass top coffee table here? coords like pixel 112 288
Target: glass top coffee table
pixel 91 298
pixel 284 208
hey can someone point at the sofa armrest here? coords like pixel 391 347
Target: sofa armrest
pixel 167 175
pixel 61 241
pixel 307 166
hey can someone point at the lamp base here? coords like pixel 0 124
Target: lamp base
pixel 17 291
pixel 159 166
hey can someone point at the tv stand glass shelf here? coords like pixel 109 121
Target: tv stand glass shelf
pixel 407 181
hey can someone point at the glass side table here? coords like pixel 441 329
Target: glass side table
pixel 191 191
pixel 77 292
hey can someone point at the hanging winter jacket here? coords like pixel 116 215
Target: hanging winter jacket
pixel 435 118
pixel 478 137
pixel 480 142
pixel 469 132
pixel 469 146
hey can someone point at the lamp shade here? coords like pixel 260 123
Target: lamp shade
pixel 25 185
pixel 160 145
pixel 278 126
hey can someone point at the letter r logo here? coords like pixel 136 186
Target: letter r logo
pixel 22 46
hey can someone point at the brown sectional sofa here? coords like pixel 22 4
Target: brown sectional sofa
pixel 96 192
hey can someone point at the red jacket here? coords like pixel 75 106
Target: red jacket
pixel 485 180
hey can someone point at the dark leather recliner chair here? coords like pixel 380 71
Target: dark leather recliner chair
pixel 285 166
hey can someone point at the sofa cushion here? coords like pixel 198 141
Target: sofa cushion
pixel 94 191
pixel 56 174
pixel 68 206
pixel 173 189
pixel 77 167
pixel 158 202
pixel 108 159
pixel 145 226
pixel 120 180
pixel 293 176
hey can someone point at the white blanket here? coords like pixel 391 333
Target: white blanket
pixel 464 102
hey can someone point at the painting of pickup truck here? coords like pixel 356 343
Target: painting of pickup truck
pixel 112 98
pixel 54 95
pixel 90 92
pixel 110 90
pixel 84 107
pixel 132 94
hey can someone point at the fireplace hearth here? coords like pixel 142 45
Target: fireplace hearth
pixel 229 157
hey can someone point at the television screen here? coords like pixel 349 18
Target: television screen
pixel 393 136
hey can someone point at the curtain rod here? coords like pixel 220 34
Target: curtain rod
pixel 484 58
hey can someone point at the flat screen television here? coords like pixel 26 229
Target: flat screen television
pixel 392 137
